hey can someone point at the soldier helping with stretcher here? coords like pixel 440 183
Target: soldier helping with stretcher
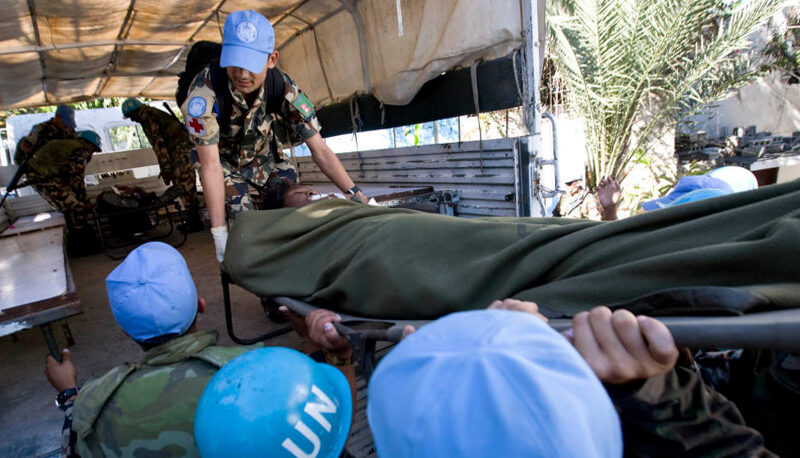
pixel 56 172
pixel 242 118
pixel 59 127
pixel 172 147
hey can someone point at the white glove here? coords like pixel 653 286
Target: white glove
pixel 220 234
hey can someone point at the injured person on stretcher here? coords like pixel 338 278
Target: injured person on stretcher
pixel 725 255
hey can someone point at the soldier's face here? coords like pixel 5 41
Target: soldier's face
pixel 248 82
pixel 297 196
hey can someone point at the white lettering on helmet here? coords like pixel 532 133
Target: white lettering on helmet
pixel 289 445
pixel 315 410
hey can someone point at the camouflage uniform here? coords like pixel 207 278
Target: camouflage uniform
pixel 244 146
pixel 676 414
pixel 56 172
pixel 147 408
pixel 172 147
pixel 39 135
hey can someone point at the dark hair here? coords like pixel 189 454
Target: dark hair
pixel 273 193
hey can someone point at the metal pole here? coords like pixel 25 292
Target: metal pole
pixel 530 84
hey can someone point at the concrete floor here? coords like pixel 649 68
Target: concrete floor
pixel 31 424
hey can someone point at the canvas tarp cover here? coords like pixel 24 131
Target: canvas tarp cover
pixel 402 264
pixel 53 51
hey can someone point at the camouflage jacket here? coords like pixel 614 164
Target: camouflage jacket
pixel 251 128
pixel 62 157
pixel 39 135
pixel 166 135
pixel 163 130
pixel 147 408
pixel 676 414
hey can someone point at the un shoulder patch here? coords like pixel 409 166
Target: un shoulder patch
pixel 197 106
pixel 303 105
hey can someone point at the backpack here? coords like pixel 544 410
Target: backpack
pixel 207 53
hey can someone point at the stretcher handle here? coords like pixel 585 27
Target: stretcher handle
pixel 392 334
pixel 779 330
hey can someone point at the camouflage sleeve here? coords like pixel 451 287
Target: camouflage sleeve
pixel 27 144
pixel 199 111
pixel 677 415
pixel 299 111
pixel 68 436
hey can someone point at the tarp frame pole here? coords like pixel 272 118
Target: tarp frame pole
pixel 352 8
pixel 531 104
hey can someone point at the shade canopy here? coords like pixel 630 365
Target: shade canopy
pixel 55 51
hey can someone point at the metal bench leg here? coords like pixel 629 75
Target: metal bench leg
pixel 52 346
pixel 67 334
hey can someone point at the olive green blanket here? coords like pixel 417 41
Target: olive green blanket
pixel 403 264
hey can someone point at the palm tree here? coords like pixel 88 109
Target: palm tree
pixel 634 67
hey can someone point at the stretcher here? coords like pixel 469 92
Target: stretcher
pixel 728 256
pixel 769 330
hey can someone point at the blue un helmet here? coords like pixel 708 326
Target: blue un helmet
pixel 129 106
pixel 92 137
pixel 738 178
pixel 274 402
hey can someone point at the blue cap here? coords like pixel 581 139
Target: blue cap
pixel 274 402
pixel 490 383
pixel 738 178
pixel 67 114
pixel 247 41
pixel 152 293
pixel 91 136
pixel 685 185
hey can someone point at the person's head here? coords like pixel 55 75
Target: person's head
pixel 65 117
pixel 248 50
pixel 490 383
pixel 130 108
pixel 92 138
pixel 152 294
pixel 274 402
pixel 282 193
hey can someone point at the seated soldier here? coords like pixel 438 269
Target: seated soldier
pixel 56 171
pixel 154 300
pixel 59 127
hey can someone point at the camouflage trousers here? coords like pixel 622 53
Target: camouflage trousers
pixel 177 168
pixel 67 193
pixel 240 193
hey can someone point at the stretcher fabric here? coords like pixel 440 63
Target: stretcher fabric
pixel 403 264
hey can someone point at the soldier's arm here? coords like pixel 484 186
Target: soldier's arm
pixel 331 166
pixel 676 414
pixel 213 183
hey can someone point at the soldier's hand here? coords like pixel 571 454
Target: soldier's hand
pixel 322 332
pixel 61 375
pixel 621 347
pixel 360 197
pixel 517 306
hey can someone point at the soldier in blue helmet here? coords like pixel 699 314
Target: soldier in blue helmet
pixel 172 147
pixel 154 300
pixel 241 113
pixel 56 171
pixel 59 127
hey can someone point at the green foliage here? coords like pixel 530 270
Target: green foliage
pixel 634 67
pixel 95 103
pixel 784 48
